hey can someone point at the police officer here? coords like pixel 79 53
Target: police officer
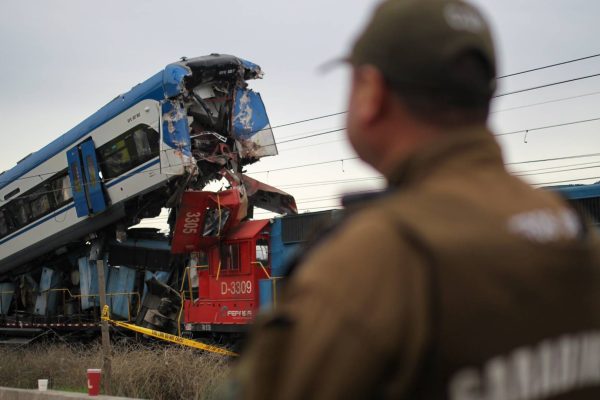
pixel 460 281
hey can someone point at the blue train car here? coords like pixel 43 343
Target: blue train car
pixel 584 198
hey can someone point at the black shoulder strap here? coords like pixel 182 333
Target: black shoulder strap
pixel 420 387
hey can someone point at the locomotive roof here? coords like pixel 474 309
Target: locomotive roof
pixel 164 84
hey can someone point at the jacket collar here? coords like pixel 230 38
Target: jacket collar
pixel 457 151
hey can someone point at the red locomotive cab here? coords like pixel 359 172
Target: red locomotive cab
pixel 226 298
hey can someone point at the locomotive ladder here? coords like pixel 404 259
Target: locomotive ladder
pixel 165 336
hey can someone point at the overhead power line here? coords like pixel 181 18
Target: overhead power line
pixel 329 182
pixel 496 134
pixel 309 119
pixel 310 145
pixel 500 95
pixel 548 127
pixel 548 66
pixel 559 171
pixel 545 102
pixel 557 168
pixel 303 133
pixel 554 159
pixel 545 86
pixel 304 165
pixel 495 96
pixel 566 181
pixel 311 136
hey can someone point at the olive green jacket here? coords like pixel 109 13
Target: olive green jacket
pixel 460 282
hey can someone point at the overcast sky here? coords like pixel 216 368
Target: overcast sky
pixel 62 60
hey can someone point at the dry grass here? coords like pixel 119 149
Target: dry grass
pixel 157 372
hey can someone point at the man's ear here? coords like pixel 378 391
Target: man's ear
pixel 371 93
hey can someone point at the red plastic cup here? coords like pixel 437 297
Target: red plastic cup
pixel 93 381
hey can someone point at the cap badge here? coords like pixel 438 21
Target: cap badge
pixel 463 18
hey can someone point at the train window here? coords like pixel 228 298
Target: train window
pixel 36 202
pixel 127 151
pixel 262 251
pixel 3 224
pixel 141 143
pixel 61 189
pixel 40 206
pixel 230 257
pixel 12 193
pixel 22 212
pixel 116 158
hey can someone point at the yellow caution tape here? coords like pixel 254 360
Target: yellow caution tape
pixel 165 336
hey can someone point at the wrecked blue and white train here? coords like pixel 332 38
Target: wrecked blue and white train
pixel 187 125
pixel 176 122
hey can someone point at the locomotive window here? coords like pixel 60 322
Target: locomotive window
pixel 262 251
pixel 230 257
pixel 127 151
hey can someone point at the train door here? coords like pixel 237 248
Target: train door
pixel 86 183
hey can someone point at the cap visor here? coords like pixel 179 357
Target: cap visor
pixel 328 66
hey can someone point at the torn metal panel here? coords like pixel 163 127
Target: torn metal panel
pixel 46 301
pixel 268 197
pixel 252 71
pixel 88 282
pixel 204 217
pixel 218 67
pixel 204 91
pixel 176 133
pixel 121 281
pixel 161 276
pixel 160 306
pixel 250 126
pixel 174 79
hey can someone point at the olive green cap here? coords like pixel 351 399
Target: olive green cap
pixel 412 42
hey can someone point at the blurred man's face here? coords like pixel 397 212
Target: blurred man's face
pixel 353 122
pixel 364 111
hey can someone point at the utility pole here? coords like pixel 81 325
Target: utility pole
pixel 97 254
